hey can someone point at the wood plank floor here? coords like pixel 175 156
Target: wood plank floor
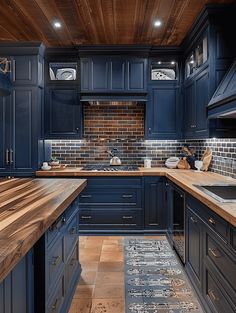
pixel 101 286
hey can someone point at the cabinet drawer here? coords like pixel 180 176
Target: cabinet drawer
pixel 223 262
pixel 113 182
pixel 111 219
pixel 214 221
pixel 71 236
pixel 55 229
pixel 54 263
pixel 72 266
pixel 215 297
pixel 56 301
pixel 112 197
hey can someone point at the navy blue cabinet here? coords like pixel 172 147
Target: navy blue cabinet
pixel 63 113
pixel 155 213
pixel 4 133
pixel 27 70
pixel 113 74
pixel 57 267
pixel 112 204
pixel 194 247
pixel 16 290
pixel 196 100
pixel 210 257
pixel 21 147
pixel 21 131
pixel 162 114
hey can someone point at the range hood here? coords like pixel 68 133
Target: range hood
pixel 223 102
pixel 113 98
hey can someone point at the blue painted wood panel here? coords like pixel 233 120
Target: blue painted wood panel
pixel 16 291
pixel 63 119
pixel 162 116
pixel 155 211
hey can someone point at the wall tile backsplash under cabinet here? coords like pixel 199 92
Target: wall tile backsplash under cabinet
pixel 81 152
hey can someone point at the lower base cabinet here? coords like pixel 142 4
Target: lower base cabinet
pixel 123 204
pixel 211 257
pixel 16 290
pixel 57 267
pixel 154 204
pixel 112 204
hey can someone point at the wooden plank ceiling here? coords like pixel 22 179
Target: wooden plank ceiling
pixel 98 21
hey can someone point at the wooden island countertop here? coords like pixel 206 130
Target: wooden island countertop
pixel 186 179
pixel 28 207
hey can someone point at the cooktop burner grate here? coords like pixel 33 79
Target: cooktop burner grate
pixel 110 168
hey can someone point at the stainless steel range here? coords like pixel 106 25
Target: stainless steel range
pixel 110 168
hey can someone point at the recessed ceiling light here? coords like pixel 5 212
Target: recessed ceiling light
pixel 159 62
pixel 172 62
pixel 57 24
pixel 157 23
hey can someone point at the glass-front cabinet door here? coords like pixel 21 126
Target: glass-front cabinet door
pixel 62 71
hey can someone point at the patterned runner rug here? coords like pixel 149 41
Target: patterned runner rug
pixel 154 279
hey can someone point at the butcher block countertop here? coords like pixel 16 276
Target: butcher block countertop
pixel 185 179
pixel 27 208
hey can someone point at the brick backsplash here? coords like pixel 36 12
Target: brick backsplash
pixel 81 152
pixel 114 121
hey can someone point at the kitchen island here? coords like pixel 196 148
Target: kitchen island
pixel 30 212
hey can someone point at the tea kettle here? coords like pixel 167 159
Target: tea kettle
pixel 115 160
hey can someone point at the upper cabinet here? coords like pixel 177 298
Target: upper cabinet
pixel 208 52
pixel 62 113
pixel 62 107
pixel 163 115
pixel 113 75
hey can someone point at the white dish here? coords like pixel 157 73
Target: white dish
pixel 46 168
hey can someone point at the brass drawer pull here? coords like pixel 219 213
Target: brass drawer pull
pixel 72 262
pixel 213 252
pixel 213 296
pixel 56 260
pixel 211 221
pixel 11 156
pixel 127 196
pixel 127 217
pixel 86 196
pixel 193 219
pixel 7 156
pixel 54 307
pixel 86 217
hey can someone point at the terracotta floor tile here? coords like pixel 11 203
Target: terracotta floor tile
pixel 89 266
pixel 108 306
pixel 109 291
pixel 112 242
pixel 84 292
pixel 111 248
pixel 111 257
pixel 86 255
pixel 87 277
pixel 109 278
pixel 111 267
pixel 80 306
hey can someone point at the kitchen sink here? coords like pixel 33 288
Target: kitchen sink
pixel 220 192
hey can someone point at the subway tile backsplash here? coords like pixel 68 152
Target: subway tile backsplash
pixel 91 151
